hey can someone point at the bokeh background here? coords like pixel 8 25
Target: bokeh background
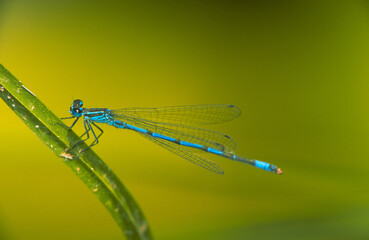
pixel 297 69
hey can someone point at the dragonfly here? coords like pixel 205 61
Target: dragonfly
pixel 175 128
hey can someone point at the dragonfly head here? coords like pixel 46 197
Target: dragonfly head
pixel 76 108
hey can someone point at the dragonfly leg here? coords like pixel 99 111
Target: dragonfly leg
pixel 74 123
pixel 96 141
pixel 68 117
pixel 87 129
pixel 65 125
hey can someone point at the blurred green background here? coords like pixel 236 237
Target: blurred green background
pixel 297 69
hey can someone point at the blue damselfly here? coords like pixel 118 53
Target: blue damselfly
pixel 174 128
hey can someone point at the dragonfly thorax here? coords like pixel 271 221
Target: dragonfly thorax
pixel 76 108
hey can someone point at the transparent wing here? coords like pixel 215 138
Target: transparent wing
pixel 186 154
pixel 200 136
pixel 191 115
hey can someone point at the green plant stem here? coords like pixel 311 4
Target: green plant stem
pixel 99 178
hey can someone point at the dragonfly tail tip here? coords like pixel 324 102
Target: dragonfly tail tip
pixel 279 171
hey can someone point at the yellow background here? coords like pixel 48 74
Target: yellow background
pixel 297 69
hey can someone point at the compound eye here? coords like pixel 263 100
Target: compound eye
pixel 78 103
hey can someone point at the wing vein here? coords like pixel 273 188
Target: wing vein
pixel 186 154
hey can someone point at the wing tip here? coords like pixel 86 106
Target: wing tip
pixel 219 172
pixel 236 109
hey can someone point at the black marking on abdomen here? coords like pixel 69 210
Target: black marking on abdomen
pixel 91 115
pixel 187 144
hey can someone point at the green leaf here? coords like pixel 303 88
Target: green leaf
pixel 87 165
